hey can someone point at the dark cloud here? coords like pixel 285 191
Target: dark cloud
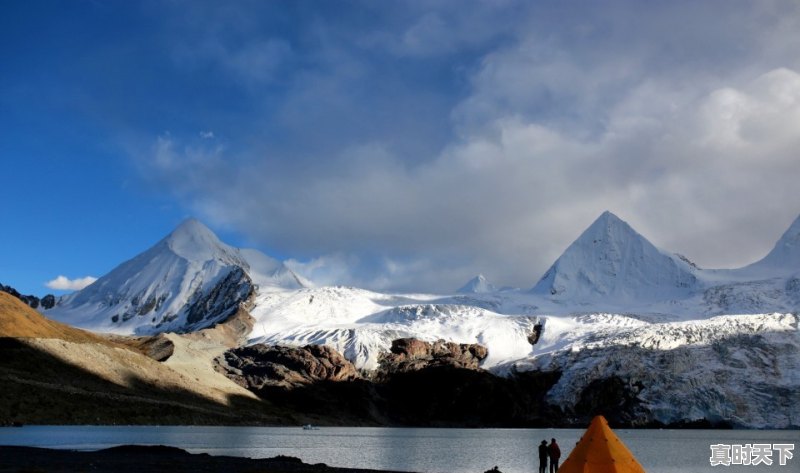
pixel 402 152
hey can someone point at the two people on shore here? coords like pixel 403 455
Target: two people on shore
pixel 549 452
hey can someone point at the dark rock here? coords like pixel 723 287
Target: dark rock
pixel 441 396
pixel 32 301
pixel 418 384
pixel 410 348
pixel 613 397
pixel 157 347
pixel 257 366
pixel 534 336
pixel 411 354
pixel 11 291
pixel 222 301
pixel 48 301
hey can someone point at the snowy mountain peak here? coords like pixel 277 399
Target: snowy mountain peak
pixel 477 285
pixel 187 281
pixel 611 261
pixel 794 228
pixel 192 229
pixel 610 229
pixel 608 216
pixel 785 255
pixel 787 249
pixel 196 242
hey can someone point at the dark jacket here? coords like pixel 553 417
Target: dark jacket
pixel 554 451
pixel 543 452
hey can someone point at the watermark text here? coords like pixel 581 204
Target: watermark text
pixel 751 454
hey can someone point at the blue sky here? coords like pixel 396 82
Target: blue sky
pixel 394 145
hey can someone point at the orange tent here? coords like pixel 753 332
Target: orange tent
pixel 600 451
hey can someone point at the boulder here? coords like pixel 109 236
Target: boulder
pixel 257 366
pixel 411 354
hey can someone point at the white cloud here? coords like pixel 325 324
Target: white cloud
pixel 688 172
pixel 326 270
pixel 207 135
pixel 63 283
pixel 689 139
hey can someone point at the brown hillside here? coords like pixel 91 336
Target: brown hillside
pixel 19 320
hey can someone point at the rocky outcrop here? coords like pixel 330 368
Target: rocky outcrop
pixel 411 354
pixel 536 334
pixel 158 347
pixel 260 366
pixel 417 384
pixel 46 302
pixel 203 309
pixel 221 301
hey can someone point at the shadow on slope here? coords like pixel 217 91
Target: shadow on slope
pixel 440 396
pixel 40 388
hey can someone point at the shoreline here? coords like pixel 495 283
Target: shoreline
pixel 679 426
pixel 138 458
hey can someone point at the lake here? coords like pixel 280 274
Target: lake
pixel 412 449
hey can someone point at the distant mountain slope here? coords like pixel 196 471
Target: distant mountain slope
pixel 187 281
pixel 771 284
pixel 783 259
pixel 477 285
pixel 267 272
pixel 611 261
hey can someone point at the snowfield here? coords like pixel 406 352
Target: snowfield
pixel 362 324
pixel 743 369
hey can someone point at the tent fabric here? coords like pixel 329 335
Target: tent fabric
pixel 600 451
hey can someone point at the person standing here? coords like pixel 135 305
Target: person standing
pixel 543 454
pixel 555 454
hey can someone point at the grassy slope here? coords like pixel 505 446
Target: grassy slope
pixel 20 321
pixel 56 374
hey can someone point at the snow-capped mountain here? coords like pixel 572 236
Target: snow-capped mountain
pixel 269 273
pixel 187 281
pixel 784 259
pixel 477 285
pixel 610 261
pixel 670 330
pixel 611 267
pixel 613 305
pixel 771 284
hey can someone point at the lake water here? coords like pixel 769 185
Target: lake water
pixel 411 449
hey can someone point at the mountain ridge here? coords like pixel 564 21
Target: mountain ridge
pixel 187 281
pixel 477 285
pixel 784 256
pixel 622 299
pixel 611 260
pixel 191 279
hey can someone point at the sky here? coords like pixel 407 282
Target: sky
pixel 393 145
